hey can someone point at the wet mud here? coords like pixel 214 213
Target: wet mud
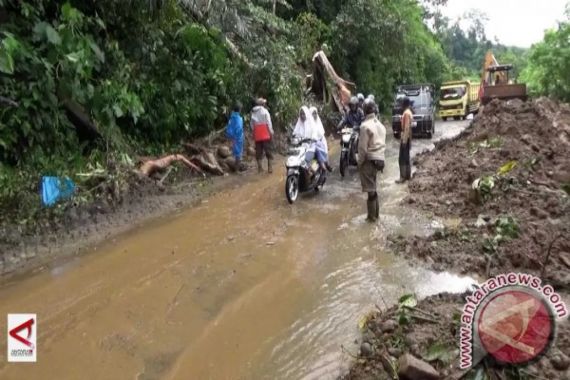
pixel 241 286
pixel 521 224
pixel 535 137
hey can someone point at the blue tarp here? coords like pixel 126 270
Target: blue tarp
pixel 56 188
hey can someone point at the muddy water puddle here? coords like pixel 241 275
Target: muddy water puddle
pixel 242 286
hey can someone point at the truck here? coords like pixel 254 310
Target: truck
pixel 458 99
pixel 423 107
pixel 496 84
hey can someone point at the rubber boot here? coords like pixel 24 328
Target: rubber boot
pixel 329 167
pixel 259 167
pixel 402 174
pixel 377 213
pixel 240 167
pixel 270 166
pixel 408 172
pixel 371 206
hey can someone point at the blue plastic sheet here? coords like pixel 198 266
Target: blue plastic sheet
pixel 54 189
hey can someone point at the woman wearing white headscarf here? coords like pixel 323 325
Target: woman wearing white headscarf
pixel 321 146
pixel 305 127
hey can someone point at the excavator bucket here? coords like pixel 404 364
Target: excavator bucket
pixel 504 92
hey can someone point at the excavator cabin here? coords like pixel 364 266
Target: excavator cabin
pixel 496 82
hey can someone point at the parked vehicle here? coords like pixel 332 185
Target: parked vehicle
pixel 423 107
pixel 299 179
pixel 459 99
pixel 349 147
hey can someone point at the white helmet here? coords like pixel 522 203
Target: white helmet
pixel 371 97
pixel 360 97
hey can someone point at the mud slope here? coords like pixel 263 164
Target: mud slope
pixel 507 181
pixel 435 339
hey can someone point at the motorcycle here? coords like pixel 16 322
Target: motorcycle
pixel 349 147
pixel 299 178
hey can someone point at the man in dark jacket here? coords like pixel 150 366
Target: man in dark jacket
pixel 354 117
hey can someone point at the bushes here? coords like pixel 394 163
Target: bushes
pixel 548 69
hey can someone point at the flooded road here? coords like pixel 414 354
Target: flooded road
pixel 242 286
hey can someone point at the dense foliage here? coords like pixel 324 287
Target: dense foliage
pixel 548 70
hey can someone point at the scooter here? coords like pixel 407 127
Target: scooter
pixel 349 147
pixel 299 178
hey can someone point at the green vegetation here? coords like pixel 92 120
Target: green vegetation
pixel 467 46
pixel 548 69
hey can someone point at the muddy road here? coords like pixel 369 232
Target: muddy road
pixel 242 286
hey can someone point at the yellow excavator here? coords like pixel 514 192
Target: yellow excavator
pixel 496 84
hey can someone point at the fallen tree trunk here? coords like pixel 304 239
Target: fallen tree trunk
pixel 208 162
pixel 86 129
pixel 150 167
pixel 323 74
pixel 203 158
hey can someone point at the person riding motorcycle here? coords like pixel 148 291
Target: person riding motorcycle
pixel 371 98
pixel 354 117
pixel 322 149
pixel 361 100
pixel 305 129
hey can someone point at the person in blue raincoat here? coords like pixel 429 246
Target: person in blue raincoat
pixel 234 131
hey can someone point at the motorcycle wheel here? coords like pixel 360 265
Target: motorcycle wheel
pixel 292 188
pixel 343 164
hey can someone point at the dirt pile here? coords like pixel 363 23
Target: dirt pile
pixel 507 180
pixel 430 332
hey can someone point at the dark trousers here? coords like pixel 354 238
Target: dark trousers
pixel 404 160
pixel 263 147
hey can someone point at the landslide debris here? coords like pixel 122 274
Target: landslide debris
pixel 429 332
pixel 507 179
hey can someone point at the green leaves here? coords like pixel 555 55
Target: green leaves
pixel 506 228
pixel 407 300
pixel 441 352
pixel 548 68
pixel 43 30
pixel 6 62
pixel 52 35
pixel 507 168
pixel 8 49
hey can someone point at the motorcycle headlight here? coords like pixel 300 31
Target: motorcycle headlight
pixel 345 138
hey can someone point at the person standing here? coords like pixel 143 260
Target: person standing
pixel 234 131
pixel 405 143
pixel 371 148
pixel 262 134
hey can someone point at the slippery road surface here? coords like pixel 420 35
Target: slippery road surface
pixel 243 286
